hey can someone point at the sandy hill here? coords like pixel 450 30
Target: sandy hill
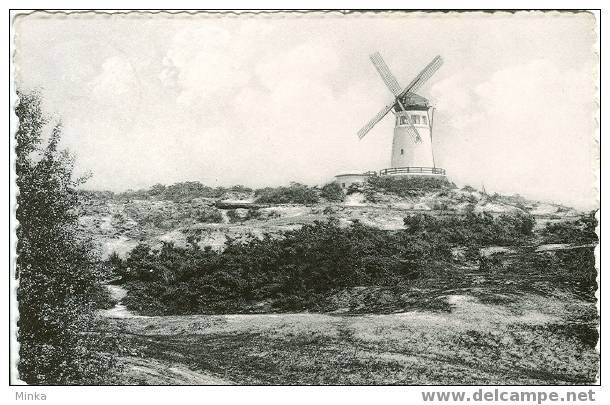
pixel 118 224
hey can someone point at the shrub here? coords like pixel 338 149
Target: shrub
pixel 328 211
pixel 241 214
pixel 473 229
pixel 253 213
pixel 300 269
pixel 580 231
pixel 180 192
pixel 294 194
pixel 209 215
pixel 357 188
pixel 157 189
pixel 332 192
pixel 408 186
pixel 312 260
pixel 234 215
pixel 188 190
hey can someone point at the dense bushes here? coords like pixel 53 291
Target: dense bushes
pixel 474 229
pixel 168 216
pixel 408 186
pixel 209 215
pixel 242 214
pixel 180 192
pixel 288 270
pixel 332 192
pixel 294 194
pixel 581 231
pixel 59 282
pixel 298 269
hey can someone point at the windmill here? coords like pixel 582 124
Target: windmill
pixel 412 144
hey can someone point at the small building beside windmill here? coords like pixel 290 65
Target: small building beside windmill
pixel 345 180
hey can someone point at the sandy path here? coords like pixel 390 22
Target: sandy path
pixel 148 371
pixel 431 336
pixel 119 310
pixel 152 371
pixel 467 313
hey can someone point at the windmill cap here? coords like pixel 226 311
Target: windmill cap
pixel 415 100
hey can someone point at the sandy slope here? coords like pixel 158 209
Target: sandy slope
pixel 139 371
pixel 404 348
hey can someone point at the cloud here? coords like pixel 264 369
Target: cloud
pixel 521 124
pixel 116 81
pixel 265 101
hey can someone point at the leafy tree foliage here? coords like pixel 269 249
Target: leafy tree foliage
pixel 59 283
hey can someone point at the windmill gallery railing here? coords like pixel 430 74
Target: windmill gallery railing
pixel 407 170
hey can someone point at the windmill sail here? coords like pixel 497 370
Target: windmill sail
pixel 399 94
pixel 375 120
pixel 384 71
pixel 423 76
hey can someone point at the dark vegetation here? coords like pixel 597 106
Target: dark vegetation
pixel 408 186
pixel 59 280
pixel 170 217
pixel 333 192
pixel 183 192
pixel 379 272
pixel 295 193
pixel 178 192
pixel 243 214
pixel 312 267
pixel 580 231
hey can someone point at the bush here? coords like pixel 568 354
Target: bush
pixel 408 186
pixel 233 215
pixel 187 191
pixel 209 215
pixel 312 261
pixel 581 231
pixel 180 192
pixel 329 211
pixel 357 188
pixel 294 194
pixel 332 192
pixel 473 229
pixel 303 269
pixel 241 214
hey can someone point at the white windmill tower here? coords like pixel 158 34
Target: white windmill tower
pixel 412 153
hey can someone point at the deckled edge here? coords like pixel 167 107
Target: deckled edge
pixel 13 282
pixel 13 121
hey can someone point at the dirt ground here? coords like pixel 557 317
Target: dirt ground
pixel 474 343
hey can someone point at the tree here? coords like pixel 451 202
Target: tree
pixel 58 278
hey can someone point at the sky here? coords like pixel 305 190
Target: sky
pixel 267 99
